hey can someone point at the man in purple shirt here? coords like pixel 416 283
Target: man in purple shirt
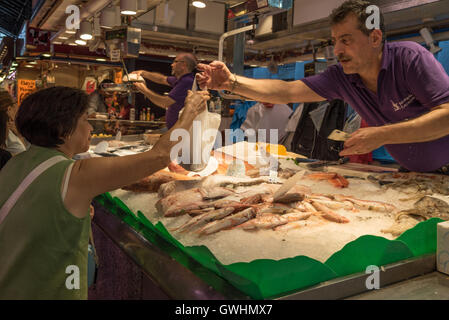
pixel 399 89
pixel 181 81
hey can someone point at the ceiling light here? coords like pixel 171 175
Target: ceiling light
pixel 118 17
pixel 96 29
pixel 72 44
pixel 199 4
pixel 63 38
pixel 142 5
pixel 46 55
pixel 86 30
pixel 29 66
pixel 69 31
pixel 32 62
pixel 107 18
pixel 80 42
pixel 101 59
pixel 128 7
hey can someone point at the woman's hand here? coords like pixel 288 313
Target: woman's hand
pixel 194 104
pixel 214 76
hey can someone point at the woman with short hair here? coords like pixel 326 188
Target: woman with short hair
pixel 46 232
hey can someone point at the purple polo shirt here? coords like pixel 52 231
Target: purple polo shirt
pixel 411 82
pixel 179 94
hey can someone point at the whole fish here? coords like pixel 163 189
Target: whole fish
pixel 227 222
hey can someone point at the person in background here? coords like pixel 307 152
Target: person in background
pixel 181 81
pixel 14 142
pixel 398 88
pixel 124 106
pixel 52 213
pixel 265 116
pixel 100 100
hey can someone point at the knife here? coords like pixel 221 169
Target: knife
pixel 319 164
pixel 290 183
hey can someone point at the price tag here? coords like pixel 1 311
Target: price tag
pixel 115 55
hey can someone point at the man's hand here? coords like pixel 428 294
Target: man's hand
pixel 214 76
pixel 139 72
pixel 363 141
pixel 194 104
pixel 140 86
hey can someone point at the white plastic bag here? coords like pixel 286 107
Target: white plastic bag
pixel 203 134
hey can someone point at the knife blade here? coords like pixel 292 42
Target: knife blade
pixel 319 164
pixel 290 183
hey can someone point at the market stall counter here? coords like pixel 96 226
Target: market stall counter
pixel 315 242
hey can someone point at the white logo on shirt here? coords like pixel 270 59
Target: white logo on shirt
pixel 403 103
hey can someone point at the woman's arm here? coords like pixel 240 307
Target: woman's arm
pixel 92 177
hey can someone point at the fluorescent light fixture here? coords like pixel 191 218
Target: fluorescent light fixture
pixel 101 59
pixel 142 5
pixel 32 62
pixel 86 30
pixel 107 18
pixel 70 31
pixel 47 55
pixel 199 4
pixel 80 42
pixel 63 38
pixel 96 29
pixel 72 44
pixel 128 7
pixel 57 42
pixel 29 66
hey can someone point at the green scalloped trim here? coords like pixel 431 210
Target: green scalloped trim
pixel 422 238
pixel 365 251
pixel 264 278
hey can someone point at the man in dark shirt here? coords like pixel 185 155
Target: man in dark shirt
pixel 181 81
pixel 399 89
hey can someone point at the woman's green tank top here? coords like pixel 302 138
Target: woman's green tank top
pixel 43 247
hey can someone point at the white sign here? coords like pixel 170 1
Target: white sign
pixel 115 55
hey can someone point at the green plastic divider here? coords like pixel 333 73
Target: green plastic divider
pixel 365 251
pixel 264 278
pixel 422 239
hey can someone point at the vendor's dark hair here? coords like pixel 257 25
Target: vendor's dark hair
pixel 190 60
pixel 358 8
pixel 49 115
